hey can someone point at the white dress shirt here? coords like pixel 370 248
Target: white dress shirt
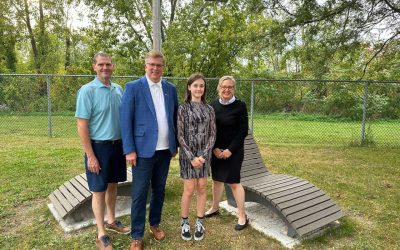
pixel 159 104
pixel 228 102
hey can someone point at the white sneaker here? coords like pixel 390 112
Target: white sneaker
pixel 186 232
pixel 199 231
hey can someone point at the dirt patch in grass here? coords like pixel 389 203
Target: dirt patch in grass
pixel 21 217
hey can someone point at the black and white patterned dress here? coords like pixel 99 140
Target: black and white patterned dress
pixel 196 136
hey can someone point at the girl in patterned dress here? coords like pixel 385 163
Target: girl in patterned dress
pixel 196 136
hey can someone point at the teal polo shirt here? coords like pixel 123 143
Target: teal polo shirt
pixel 100 105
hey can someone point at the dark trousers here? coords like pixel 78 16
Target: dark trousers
pixel 148 171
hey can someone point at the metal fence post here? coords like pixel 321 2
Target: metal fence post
pixel 364 117
pixel 50 132
pixel 252 106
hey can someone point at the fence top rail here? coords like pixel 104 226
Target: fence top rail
pixel 216 78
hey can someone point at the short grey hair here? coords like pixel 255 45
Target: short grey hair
pixel 102 54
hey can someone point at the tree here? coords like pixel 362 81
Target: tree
pixel 324 28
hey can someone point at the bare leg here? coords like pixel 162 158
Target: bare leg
pixel 98 205
pixel 201 196
pixel 111 199
pixel 238 193
pixel 188 189
pixel 218 189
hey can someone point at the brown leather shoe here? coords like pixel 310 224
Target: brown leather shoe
pixel 118 227
pixel 104 243
pixel 157 232
pixel 136 245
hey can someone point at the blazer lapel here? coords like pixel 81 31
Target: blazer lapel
pixel 166 98
pixel 147 95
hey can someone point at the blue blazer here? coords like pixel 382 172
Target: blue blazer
pixel 138 118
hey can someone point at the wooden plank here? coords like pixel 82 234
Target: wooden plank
pixel 246 166
pixel 277 180
pixel 251 178
pixel 57 205
pixel 253 172
pixel 82 181
pixel 301 199
pixel 320 223
pixel 68 196
pixel 77 194
pixel 311 210
pixel 288 192
pixel 271 186
pixel 84 190
pixel 252 162
pixel 261 167
pixel 84 176
pixel 294 195
pixel 67 206
pixel 251 151
pixel 253 181
pixel 282 186
pixel 291 210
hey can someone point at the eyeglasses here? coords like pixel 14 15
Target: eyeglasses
pixel 153 65
pixel 227 87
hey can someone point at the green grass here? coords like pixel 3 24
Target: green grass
pixel 363 180
pixel 315 130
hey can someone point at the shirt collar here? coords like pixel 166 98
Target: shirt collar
pixel 229 102
pixel 99 84
pixel 151 83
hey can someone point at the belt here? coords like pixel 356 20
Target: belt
pixel 107 141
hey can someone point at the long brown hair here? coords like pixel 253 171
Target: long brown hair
pixel 191 79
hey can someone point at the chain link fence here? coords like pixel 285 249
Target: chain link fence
pixel 281 111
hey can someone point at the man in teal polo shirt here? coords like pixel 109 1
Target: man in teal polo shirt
pixel 97 111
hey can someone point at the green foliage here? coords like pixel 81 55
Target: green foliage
pixel 27 94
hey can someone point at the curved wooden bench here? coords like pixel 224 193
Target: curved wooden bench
pixel 302 206
pixel 71 203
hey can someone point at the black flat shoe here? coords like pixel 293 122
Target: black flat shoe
pixel 239 227
pixel 209 215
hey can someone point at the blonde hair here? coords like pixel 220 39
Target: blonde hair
pixel 154 54
pixel 224 78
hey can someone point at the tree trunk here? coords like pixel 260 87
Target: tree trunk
pixel 32 37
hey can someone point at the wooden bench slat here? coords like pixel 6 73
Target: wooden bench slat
pixel 276 180
pixel 311 210
pixel 301 199
pixel 320 223
pixel 294 194
pixel 315 217
pixel 71 188
pixel 279 187
pixel 57 205
pixel 248 181
pixel 290 210
pixel 82 189
pixel 62 200
pixel 294 190
pixel 82 181
pixel 83 175
pixel 68 196
pixel 253 172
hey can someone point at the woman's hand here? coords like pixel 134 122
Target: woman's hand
pixel 226 154
pixel 218 153
pixel 196 162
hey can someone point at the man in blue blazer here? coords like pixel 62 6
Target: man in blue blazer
pixel 148 125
